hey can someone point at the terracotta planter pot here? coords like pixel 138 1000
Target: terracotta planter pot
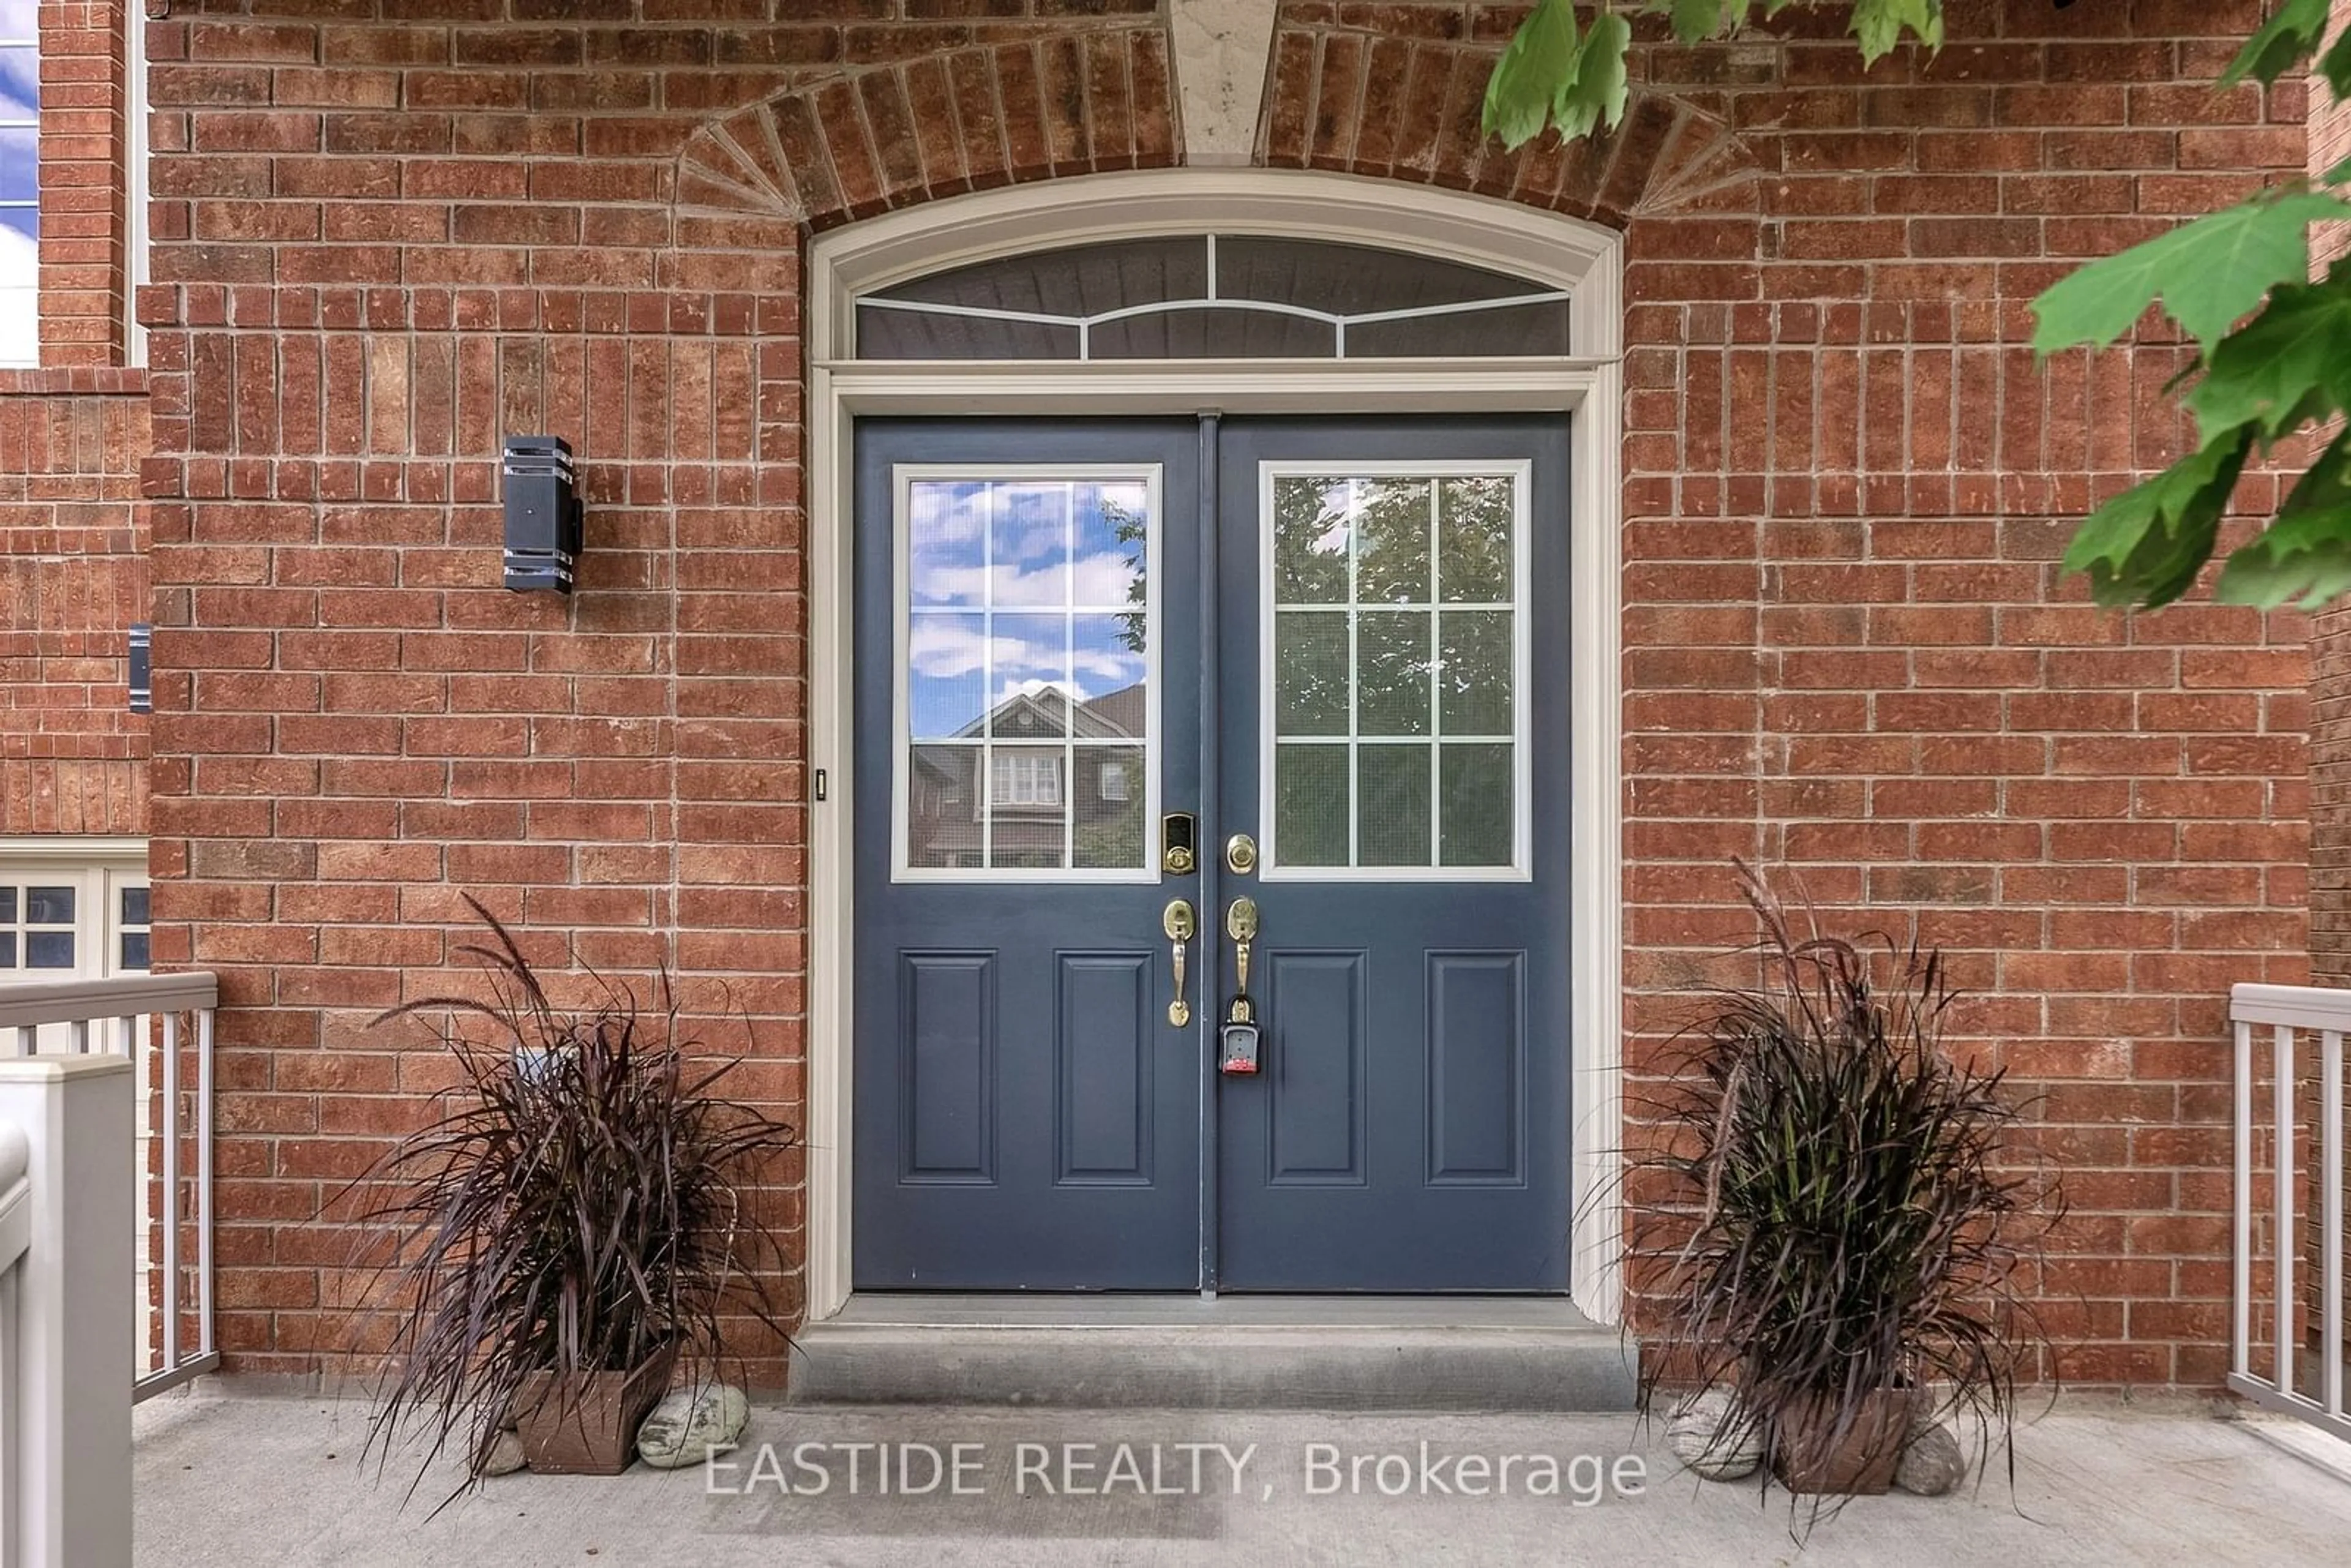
pixel 1812 1456
pixel 588 1425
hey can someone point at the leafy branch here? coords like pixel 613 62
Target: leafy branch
pixel 1573 81
pixel 2256 383
pixel 2273 347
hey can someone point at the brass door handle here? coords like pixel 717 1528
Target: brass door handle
pixel 1241 924
pixel 1181 925
pixel 1239 1041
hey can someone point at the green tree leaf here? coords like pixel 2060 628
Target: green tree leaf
pixel 1594 94
pixel 1878 24
pixel 2280 44
pixel 1542 56
pixel 2306 549
pixel 2146 545
pixel 2336 64
pixel 2206 273
pixel 1695 21
pixel 2288 365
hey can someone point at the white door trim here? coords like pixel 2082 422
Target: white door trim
pixel 1584 258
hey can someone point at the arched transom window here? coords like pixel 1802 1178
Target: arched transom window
pixel 1214 297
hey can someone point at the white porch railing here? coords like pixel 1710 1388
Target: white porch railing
pixel 15 1240
pixel 65 1406
pixel 2290 1152
pixel 163 1025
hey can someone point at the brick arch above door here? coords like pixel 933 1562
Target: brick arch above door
pixel 858 143
pixel 1403 100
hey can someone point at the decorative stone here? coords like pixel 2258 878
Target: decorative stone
pixel 1932 1463
pixel 1705 1434
pixel 506 1454
pixel 690 1424
pixel 1220 48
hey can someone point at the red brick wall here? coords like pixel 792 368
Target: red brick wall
pixel 73 571
pixel 73 577
pixel 2330 646
pixel 379 249
pixel 381 246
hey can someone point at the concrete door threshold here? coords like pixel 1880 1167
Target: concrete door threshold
pixel 1189 1351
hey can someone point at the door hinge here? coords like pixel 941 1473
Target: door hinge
pixel 820 783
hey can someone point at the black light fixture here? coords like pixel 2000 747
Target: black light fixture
pixel 543 517
pixel 142 667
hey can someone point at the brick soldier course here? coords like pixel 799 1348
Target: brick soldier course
pixel 387 233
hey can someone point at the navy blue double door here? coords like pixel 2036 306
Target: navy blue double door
pixel 1331 658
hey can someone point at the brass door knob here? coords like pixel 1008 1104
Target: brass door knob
pixel 1240 854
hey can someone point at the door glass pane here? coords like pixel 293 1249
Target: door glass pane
pixel 1313 528
pixel 49 906
pixel 1311 808
pixel 48 949
pixel 1312 671
pixel 1474 672
pixel 1393 651
pixel 1396 622
pixel 946 676
pixel 1473 539
pixel 1028 694
pixel 1393 810
pixel 942 807
pixel 1475 785
pixel 1026 677
pixel 1028 814
pixel 1394 525
pixel 1108 808
pixel 947 545
pixel 1029 543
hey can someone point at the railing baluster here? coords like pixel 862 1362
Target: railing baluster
pixel 2241 1337
pixel 28 1039
pixel 204 1346
pixel 2282 1095
pixel 2330 1145
pixel 78 1031
pixel 167 1205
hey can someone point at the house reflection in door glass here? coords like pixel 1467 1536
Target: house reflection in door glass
pixel 1009 805
pixel 1027 674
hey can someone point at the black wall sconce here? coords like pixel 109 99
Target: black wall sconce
pixel 142 666
pixel 543 517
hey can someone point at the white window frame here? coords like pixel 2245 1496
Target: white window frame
pixel 1586 391
pixel 1270 868
pixel 903 477
pixel 34 303
pixel 98 869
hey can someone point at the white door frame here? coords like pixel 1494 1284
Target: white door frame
pixel 1560 252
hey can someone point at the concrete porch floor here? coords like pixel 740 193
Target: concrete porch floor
pixel 248 1481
